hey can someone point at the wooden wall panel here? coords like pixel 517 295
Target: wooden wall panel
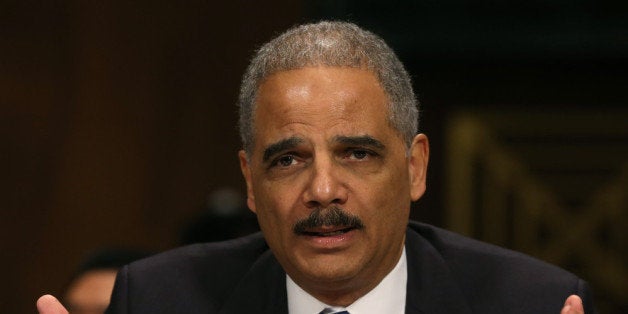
pixel 118 119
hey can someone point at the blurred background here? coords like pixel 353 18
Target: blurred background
pixel 118 126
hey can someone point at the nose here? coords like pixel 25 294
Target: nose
pixel 326 185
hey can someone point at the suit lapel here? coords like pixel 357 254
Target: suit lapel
pixel 431 287
pixel 262 290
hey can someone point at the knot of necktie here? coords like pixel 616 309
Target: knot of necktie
pixel 332 311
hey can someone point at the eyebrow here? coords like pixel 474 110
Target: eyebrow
pixel 364 140
pixel 280 146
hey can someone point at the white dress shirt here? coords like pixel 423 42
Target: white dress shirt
pixel 389 296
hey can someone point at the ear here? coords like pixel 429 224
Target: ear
pixel 245 167
pixel 417 166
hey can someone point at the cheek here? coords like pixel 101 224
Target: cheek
pixel 274 206
pixel 390 198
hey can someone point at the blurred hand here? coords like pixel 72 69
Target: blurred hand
pixel 573 305
pixel 48 304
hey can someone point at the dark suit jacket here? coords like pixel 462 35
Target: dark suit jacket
pixel 447 273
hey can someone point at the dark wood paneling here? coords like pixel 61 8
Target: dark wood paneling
pixel 118 119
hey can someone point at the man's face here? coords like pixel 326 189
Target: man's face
pixel 323 147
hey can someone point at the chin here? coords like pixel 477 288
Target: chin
pixel 326 270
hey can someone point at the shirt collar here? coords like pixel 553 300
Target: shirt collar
pixel 389 296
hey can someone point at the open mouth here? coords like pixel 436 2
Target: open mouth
pixel 328 233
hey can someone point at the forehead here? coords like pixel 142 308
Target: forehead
pixel 320 99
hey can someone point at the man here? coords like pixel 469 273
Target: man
pixel 332 161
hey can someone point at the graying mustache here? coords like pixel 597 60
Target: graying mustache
pixel 332 216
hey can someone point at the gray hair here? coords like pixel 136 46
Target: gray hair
pixel 337 44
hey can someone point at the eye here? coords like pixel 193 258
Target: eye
pixel 285 161
pixel 359 154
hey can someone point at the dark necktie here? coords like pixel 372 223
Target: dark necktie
pixel 331 311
